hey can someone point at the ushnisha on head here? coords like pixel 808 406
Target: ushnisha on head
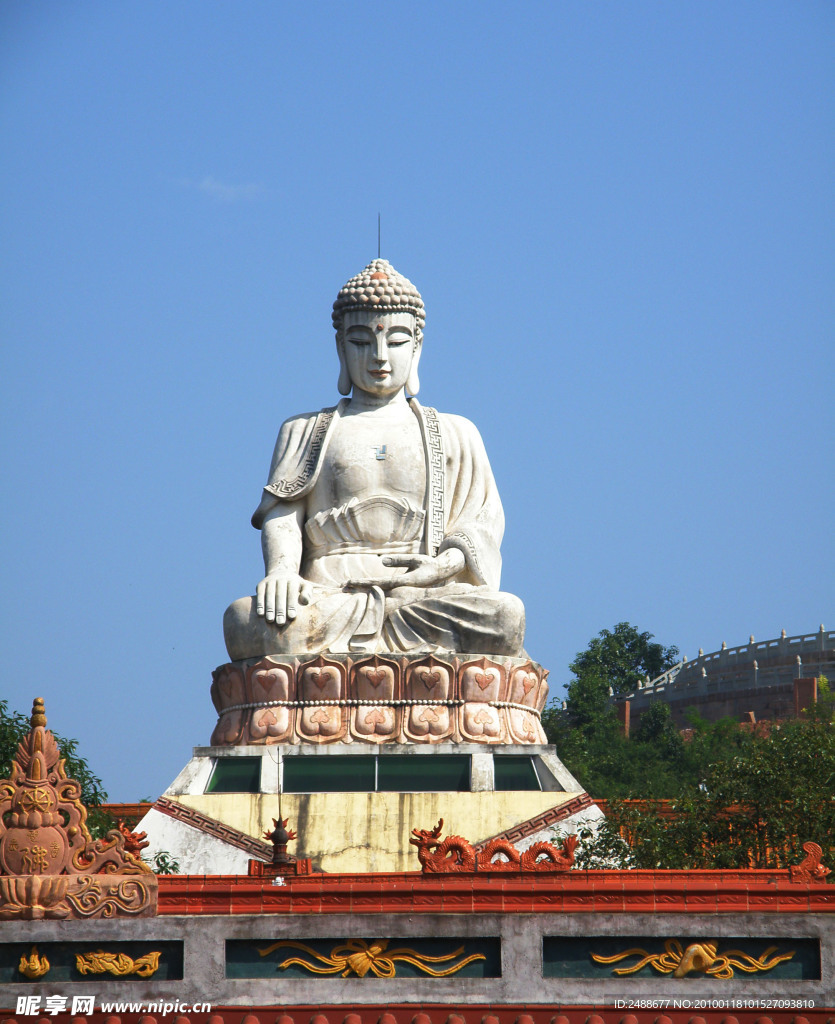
pixel 382 289
pixel 378 292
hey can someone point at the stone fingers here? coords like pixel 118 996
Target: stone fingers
pixel 260 597
pixel 270 601
pixel 293 587
pixel 271 598
pixel 280 601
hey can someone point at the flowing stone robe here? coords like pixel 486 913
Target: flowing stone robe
pixel 461 509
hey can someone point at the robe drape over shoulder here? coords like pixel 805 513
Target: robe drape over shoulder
pixel 463 508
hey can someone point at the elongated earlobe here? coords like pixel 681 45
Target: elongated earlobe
pixel 344 382
pixel 413 381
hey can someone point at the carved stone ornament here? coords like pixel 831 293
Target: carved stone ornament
pixel 810 868
pixel 135 842
pixel 50 866
pixel 456 855
pixel 392 699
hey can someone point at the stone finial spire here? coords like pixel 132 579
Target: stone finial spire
pixel 38 718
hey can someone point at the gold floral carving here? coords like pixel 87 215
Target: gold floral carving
pixel 701 957
pixel 356 956
pixel 33 966
pixel 118 964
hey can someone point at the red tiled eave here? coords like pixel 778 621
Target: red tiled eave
pixel 574 892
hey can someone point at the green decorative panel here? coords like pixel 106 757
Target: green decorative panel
pixel 723 960
pixel 90 961
pixel 434 773
pixel 236 775
pixel 330 774
pixel 359 958
pixel 514 773
pixel 367 773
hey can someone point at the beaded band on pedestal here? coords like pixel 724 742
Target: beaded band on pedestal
pixel 354 702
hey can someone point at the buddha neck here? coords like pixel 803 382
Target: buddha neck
pixel 364 401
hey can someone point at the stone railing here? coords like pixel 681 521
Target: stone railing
pixel 757 662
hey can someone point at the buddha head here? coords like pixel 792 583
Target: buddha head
pixel 380 303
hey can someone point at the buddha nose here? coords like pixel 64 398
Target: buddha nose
pixel 381 351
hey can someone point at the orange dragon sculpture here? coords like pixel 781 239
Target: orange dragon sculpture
pixel 810 868
pixel 457 855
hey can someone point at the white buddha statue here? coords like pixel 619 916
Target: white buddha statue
pixel 380 522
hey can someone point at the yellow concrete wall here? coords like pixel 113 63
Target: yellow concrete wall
pixel 370 831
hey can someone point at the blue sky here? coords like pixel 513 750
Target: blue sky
pixel 620 217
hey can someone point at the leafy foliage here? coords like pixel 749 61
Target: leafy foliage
pixel 767 793
pixel 164 864
pixel 587 733
pixel 622 657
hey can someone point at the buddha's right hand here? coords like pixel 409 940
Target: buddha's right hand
pixel 278 596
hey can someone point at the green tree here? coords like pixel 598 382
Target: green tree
pixel 587 733
pixel 657 728
pixel 746 798
pixel 621 657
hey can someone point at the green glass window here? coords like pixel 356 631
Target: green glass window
pixel 236 775
pixel 329 774
pixel 517 773
pixel 423 773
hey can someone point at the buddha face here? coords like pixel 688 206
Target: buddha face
pixel 379 350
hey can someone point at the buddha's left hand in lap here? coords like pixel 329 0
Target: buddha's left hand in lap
pixel 424 570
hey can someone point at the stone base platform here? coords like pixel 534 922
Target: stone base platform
pixel 354 806
pixel 425 699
